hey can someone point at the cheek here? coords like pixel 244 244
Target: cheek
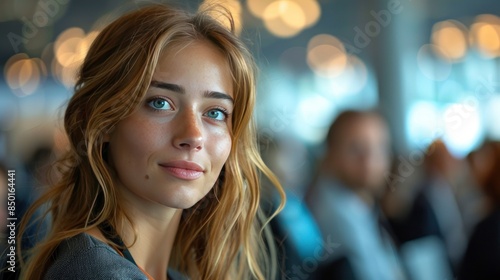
pixel 131 144
pixel 220 150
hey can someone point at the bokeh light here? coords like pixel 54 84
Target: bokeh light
pixel 286 18
pixel 312 11
pixel 423 123
pixel 485 35
pixel 451 38
pixel 70 49
pixel 67 45
pixel 326 55
pixel 462 127
pixel 23 74
pixel 232 6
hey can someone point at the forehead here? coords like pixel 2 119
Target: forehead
pixel 185 59
pixel 189 47
pixel 367 128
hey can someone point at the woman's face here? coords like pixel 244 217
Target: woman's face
pixel 171 150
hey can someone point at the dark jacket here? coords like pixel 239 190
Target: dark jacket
pixel 85 257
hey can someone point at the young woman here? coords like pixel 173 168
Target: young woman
pixel 162 169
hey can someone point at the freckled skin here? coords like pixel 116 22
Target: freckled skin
pixel 185 131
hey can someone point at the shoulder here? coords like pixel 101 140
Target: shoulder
pixel 85 257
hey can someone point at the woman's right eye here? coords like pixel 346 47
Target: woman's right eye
pixel 159 104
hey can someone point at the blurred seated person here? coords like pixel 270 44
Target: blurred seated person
pixel 430 225
pixel 344 197
pixel 482 256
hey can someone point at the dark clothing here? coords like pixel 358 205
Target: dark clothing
pixel 482 257
pixel 85 257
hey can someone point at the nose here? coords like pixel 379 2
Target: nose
pixel 188 133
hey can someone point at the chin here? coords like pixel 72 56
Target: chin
pixel 184 199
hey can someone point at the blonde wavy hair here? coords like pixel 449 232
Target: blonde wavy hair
pixel 224 235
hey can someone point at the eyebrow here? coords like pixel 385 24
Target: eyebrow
pixel 181 90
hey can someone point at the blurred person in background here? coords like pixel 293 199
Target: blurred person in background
pixel 344 197
pixel 482 257
pixel 432 210
pixel 429 223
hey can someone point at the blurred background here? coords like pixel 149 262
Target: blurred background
pixel 431 68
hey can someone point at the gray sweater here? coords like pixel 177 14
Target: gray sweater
pixel 84 257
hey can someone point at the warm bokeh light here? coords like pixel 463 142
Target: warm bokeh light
pixel 13 59
pixel 327 60
pixel 65 75
pixel 257 7
pixel 485 35
pixel 325 39
pixel 233 6
pixel 66 47
pixel 19 74
pixel 70 50
pixel 286 18
pixel 41 66
pixel 23 74
pixel 451 38
pixel 311 9
pixel 326 55
pixel 292 13
pixel 73 32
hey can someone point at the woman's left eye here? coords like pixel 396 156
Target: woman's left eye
pixel 216 114
pixel 159 104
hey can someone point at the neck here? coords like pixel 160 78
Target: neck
pixel 154 237
pixel 151 240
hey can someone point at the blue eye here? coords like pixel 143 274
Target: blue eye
pixel 159 104
pixel 217 114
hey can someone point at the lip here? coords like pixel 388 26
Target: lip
pixel 184 170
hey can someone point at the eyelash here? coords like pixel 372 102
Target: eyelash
pixel 221 109
pixel 155 98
